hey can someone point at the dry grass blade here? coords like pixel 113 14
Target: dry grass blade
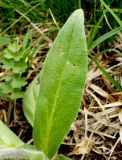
pixel 36 28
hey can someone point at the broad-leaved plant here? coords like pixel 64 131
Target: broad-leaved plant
pixel 52 104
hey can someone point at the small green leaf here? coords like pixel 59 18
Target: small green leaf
pixel 14 47
pixel 61 85
pixel 7 54
pixel 19 66
pixel 7 137
pixel 7 63
pixel 4 40
pixel 5 87
pixel 18 82
pixel 29 100
pixel 7 78
pixel 17 93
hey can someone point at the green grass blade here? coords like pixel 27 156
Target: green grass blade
pixel 61 85
pixel 26 40
pixel 20 18
pixel 119 21
pixel 104 37
pixel 109 77
pixel 94 32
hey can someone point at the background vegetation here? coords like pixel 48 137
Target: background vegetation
pixel 27 31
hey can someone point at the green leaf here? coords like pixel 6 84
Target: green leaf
pixel 4 40
pixel 29 100
pixel 7 137
pixel 14 47
pixel 8 54
pixel 61 157
pixel 29 147
pixel 17 93
pixel 61 85
pixel 7 78
pixel 5 87
pixel 19 67
pixel 15 153
pixel 7 63
pixel 18 82
pixel 16 54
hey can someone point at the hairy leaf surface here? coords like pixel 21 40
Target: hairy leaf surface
pixel 61 85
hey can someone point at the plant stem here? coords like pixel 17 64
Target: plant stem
pixel 10 106
pixel 79 3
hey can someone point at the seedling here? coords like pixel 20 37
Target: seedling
pixel 55 105
pixel 14 62
pixel 14 65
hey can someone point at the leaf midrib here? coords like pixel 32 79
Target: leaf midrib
pixel 56 95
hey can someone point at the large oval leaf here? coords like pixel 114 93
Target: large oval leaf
pixel 62 84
